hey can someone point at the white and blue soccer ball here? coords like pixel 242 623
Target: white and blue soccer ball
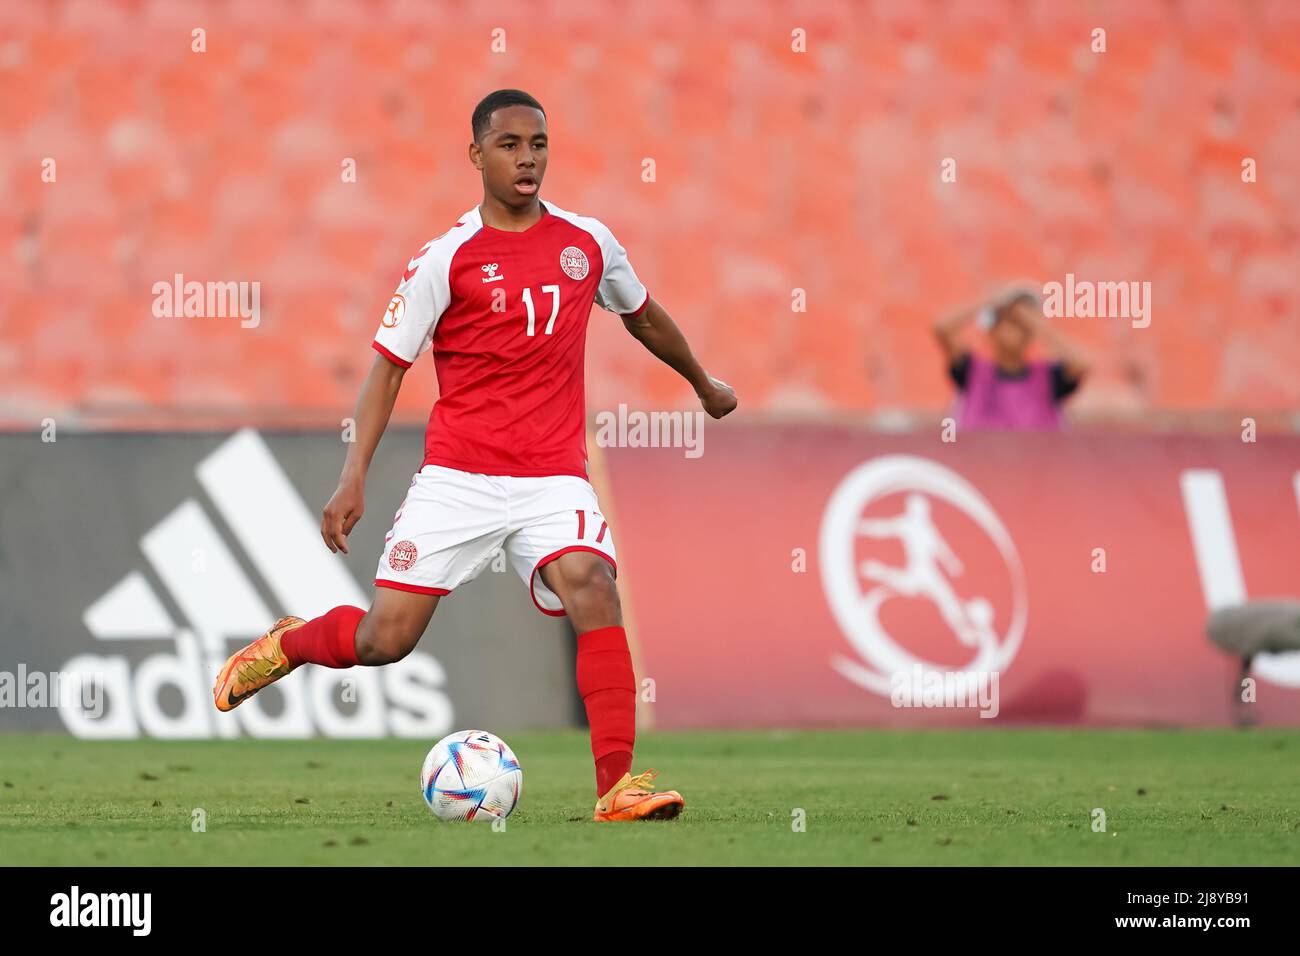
pixel 471 775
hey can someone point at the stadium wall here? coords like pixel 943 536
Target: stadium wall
pixel 763 599
pixel 1078 568
pixel 146 559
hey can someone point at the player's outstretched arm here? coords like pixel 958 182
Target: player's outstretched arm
pixel 654 328
pixel 374 407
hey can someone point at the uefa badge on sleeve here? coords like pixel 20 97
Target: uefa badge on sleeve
pixel 393 314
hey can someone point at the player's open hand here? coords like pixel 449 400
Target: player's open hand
pixel 720 399
pixel 341 515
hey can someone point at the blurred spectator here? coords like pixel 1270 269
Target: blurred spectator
pixel 1008 389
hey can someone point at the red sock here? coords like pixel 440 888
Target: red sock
pixel 329 640
pixel 608 690
pixel 610 769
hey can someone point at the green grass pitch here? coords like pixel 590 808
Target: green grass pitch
pixel 1017 797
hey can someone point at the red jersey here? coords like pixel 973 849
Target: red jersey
pixel 506 316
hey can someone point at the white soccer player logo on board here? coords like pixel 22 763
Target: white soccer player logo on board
pixel 857 589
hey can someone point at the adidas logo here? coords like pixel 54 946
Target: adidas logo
pixel 221 580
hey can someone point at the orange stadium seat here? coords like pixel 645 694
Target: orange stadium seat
pixel 775 170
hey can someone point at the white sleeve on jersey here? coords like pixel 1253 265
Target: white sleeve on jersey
pixel 620 290
pixel 406 329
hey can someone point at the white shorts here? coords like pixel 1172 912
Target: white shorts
pixel 453 524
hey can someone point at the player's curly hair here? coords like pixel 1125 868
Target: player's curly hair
pixel 494 101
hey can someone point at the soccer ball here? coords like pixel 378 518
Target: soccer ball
pixel 471 775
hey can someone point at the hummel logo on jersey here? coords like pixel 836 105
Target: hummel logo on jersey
pixel 219 576
pixel 491 270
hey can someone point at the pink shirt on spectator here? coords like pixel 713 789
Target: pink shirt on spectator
pixel 1027 400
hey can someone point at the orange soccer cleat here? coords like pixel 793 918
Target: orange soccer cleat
pixel 631 799
pixel 253 667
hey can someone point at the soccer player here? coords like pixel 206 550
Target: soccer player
pixel 502 299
